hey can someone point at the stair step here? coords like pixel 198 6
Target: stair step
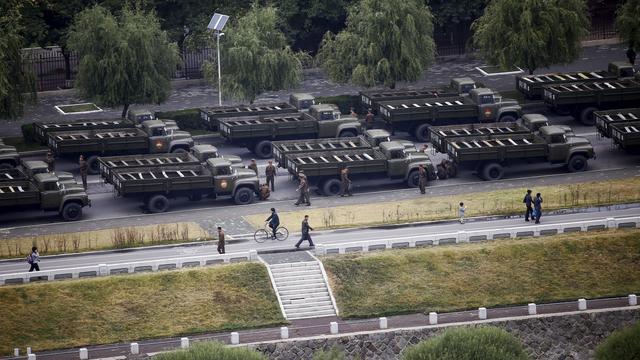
pixel 297 294
pixel 310 286
pixel 293 265
pixel 301 276
pixel 307 309
pixel 308 301
pixel 318 281
pixel 287 272
pixel 305 292
pixel 312 314
pixel 308 305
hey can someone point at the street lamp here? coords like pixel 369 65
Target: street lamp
pixel 216 24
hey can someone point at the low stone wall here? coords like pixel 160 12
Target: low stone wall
pixel 569 336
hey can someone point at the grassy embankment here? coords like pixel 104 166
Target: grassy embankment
pixel 427 208
pixel 67 314
pixel 457 277
pixel 107 239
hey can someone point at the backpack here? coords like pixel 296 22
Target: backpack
pixel 29 259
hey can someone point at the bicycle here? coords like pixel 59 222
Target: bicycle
pixel 261 235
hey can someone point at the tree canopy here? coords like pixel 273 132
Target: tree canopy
pixel 255 57
pixel 123 60
pixel 385 41
pixel 628 23
pixel 531 34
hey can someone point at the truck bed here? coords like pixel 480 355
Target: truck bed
pixel 595 92
pixel 626 134
pixel 108 164
pixel 604 119
pixel 99 141
pixel 428 108
pixel 42 129
pixel 439 134
pixel 532 85
pixel 11 175
pixel 283 148
pixel 496 148
pixel 373 97
pixel 18 193
pixel 166 179
pixel 266 127
pixel 321 164
pixel 212 114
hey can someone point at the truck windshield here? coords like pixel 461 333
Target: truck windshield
pixel 466 88
pixel 157 131
pixel 626 72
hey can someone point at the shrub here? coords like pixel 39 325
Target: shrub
pixel 469 344
pixel 211 351
pixel 333 354
pixel 187 119
pixel 623 344
pixel 344 102
pixel 29 133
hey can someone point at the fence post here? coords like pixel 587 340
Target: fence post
pixel 333 326
pixel 184 342
pixel 582 304
pixel 482 313
pixel 433 318
pixel 284 332
pixel 383 322
pixel 135 349
pixel 235 338
pixel 532 309
pixel 633 300
pixel 84 354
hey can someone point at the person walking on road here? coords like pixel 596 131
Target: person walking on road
pixel 528 201
pixel 274 222
pixel 345 182
pixel 221 242
pixel 303 188
pixel 305 233
pixel 51 162
pixel 84 169
pixel 422 179
pixel 537 207
pixel 270 172
pixel 253 166
pixel 33 259
pixel 461 211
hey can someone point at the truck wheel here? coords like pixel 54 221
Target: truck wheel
pixel 442 173
pixel 453 170
pixel 94 166
pixel 413 180
pixel 6 166
pixel 586 116
pixel 508 118
pixel 263 149
pixel 179 151
pixel 422 133
pixel 431 173
pixel 492 171
pixel 158 204
pixel 243 196
pixel 347 133
pixel 71 212
pixel 577 163
pixel 331 187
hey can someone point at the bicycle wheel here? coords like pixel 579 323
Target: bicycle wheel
pixel 282 233
pixel 261 235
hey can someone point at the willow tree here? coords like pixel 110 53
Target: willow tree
pixel 123 60
pixel 255 57
pixel 531 34
pixel 628 23
pixel 385 41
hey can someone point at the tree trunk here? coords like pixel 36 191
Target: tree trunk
pixel 67 64
pixel 125 108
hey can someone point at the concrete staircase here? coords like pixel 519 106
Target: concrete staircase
pixel 302 290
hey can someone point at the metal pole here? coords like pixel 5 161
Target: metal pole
pixel 219 72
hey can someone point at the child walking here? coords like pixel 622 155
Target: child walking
pixel 461 211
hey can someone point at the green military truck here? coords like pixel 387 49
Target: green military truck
pixel 297 102
pixel 134 118
pixel 390 160
pixel 369 139
pixel 155 185
pixel 257 132
pixel 604 119
pixel 199 155
pixel 152 137
pixel 458 86
pixel 582 99
pixel 532 86
pixel 626 135
pixel 45 192
pixel 491 154
pixel 528 123
pixel 9 157
pixel 415 116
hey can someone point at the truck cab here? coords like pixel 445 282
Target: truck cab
pixel 535 121
pixel 402 163
pixel 162 139
pixel 34 167
pixel 462 85
pixel 331 123
pixel 139 116
pixel 68 199
pixel 302 101
pixel 377 136
pixel 492 106
pixel 562 148
pixel 205 152
pixel 9 157
pixel 621 69
pixel 242 184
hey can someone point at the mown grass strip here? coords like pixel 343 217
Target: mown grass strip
pixel 124 308
pixel 499 202
pixel 457 277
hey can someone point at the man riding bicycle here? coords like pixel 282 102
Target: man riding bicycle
pixel 274 221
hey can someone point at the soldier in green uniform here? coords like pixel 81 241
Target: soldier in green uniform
pixel 303 188
pixel 51 162
pixel 253 166
pixel 84 169
pixel 422 182
pixel 345 182
pixel 270 172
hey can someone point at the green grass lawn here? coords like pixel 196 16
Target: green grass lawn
pixel 457 277
pixel 22 145
pixel 71 313
pixel 70 109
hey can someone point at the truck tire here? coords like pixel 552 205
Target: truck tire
pixel 422 133
pixel 94 166
pixel 492 171
pixel 508 118
pixel 6 166
pixel 442 172
pixel 431 173
pixel 263 149
pixel 179 150
pixel 243 196
pixel 158 204
pixel 586 116
pixel 577 163
pixel 331 187
pixel 453 170
pixel 347 133
pixel 413 180
pixel 71 212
